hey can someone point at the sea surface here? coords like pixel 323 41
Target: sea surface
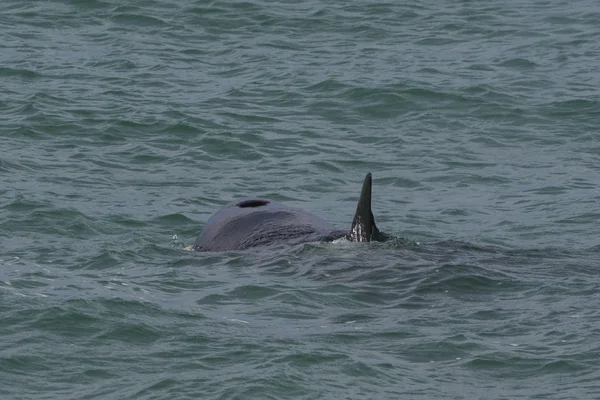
pixel 125 124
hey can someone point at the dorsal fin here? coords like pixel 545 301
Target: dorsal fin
pixel 363 226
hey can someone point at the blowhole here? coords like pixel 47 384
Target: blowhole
pixel 252 203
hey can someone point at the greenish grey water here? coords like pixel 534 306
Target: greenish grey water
pixel 125 126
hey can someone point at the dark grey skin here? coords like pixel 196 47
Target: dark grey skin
pixel 255 222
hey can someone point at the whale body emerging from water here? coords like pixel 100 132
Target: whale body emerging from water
pixel 255 222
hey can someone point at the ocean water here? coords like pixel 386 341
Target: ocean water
pixel 125 125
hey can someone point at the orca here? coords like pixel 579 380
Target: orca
pixel 256 222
